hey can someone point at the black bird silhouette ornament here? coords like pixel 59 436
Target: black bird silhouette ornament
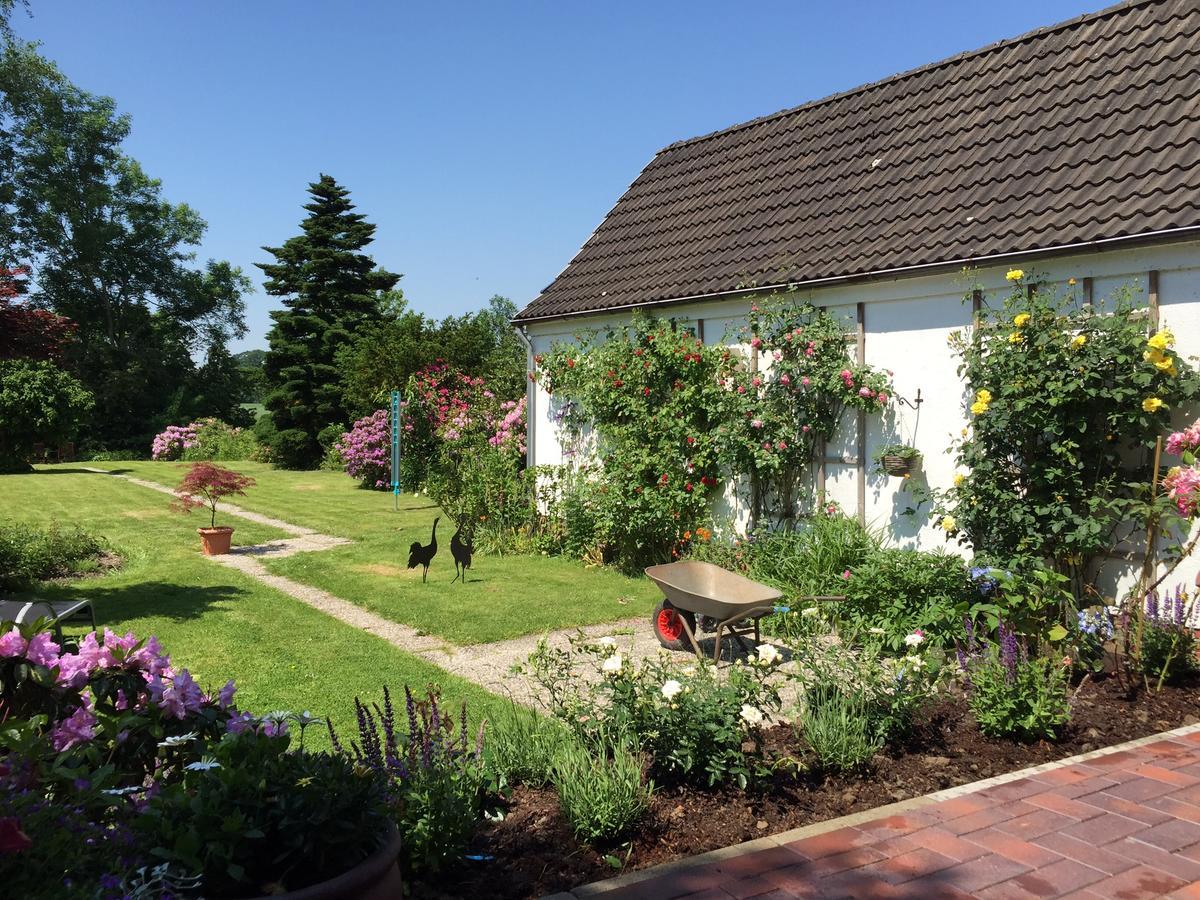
pixel 461 551
pixel 423 556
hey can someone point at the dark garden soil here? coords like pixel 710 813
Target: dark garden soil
pixel 532 851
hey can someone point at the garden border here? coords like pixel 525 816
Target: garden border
pixel 817 828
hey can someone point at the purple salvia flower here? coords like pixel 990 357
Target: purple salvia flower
pixel 1008 651
pixel 1152 605
pixel 1178 611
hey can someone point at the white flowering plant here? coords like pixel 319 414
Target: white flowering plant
pixel 889 689
pixel 693 721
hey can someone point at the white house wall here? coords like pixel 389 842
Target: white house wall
pixel 906 325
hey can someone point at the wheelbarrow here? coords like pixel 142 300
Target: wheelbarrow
pixel 692 588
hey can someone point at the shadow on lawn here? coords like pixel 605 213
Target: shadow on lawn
pixel 57 471
pixel 178 602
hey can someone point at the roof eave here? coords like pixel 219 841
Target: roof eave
pixel 1149 237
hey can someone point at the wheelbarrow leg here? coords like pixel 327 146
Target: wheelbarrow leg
pixel 691 637
pixel 717 646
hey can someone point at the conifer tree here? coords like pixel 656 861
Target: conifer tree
pixel 330 290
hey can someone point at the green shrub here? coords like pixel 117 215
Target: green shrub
pixel 903 590
pixel 113 456
pixel 215 440
pixel 1015 695
pixel 838 726
pixel 601 787
pixel 29 554
pixel 521 746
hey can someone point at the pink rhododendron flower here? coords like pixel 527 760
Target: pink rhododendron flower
pixel 42 650
pixel 225 695
pixel 178 695
pixel 12 644
pixel 77 729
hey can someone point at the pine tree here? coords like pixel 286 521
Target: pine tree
pixel 330 292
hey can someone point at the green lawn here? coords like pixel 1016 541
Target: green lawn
pixel 213 620
pixel 505 596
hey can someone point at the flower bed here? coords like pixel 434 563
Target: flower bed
pixel 532 851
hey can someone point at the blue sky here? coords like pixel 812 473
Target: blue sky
pixel 486 140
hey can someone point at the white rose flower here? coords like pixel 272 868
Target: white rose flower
pixel 915 638
pixel 751 715
pixel 877 630
pixel 767 654
pixel 916 662
pixel 612 665
pixel 810 611
pixel 671 688
pixel 607 641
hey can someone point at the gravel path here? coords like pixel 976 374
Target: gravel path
pixel 487 665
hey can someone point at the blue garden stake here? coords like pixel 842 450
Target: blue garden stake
pixel 396 450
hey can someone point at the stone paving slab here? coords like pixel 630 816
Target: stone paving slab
pixel 1123 822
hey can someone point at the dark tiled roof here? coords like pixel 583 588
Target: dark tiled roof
pixel 1080 132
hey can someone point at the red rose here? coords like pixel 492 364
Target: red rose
pixel 688 487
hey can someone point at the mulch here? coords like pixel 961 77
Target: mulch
pixel 532 852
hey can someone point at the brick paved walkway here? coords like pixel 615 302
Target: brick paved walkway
pixel 1121 825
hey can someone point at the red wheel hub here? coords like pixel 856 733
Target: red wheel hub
pixel 670 625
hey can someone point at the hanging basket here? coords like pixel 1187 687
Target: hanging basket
pixel 897 465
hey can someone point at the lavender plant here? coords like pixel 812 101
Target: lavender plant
pixel 434 774
pixel 1166 646
pixel 1011 693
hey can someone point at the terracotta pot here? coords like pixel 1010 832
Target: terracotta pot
pixel 375 878
pixel 897 465
pixel 215 541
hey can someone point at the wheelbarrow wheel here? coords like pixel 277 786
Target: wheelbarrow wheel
pixel 668 626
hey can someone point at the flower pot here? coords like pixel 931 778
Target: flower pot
pixel 897 465
pixel 215 541
pixel 375 878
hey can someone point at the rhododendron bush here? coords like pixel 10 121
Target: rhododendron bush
pixel 93 735
pixel 1066 402
pixel 366 450
pixel 672 419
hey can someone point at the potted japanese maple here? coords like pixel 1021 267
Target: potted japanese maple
pixel 202 486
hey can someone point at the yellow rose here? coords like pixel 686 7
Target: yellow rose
pixel 948 523
pixel 1015 274
pixel 985 395
pixel 1172 371
pixel 1078 341
pixel 964 432
pixel 1152 356
pixel 959 478
pixel 1164 364
pixel 979 407
pixel 1016 337
pixel 1071 281
pixel 1021 320
pixel 1152 404
pixel 1162 339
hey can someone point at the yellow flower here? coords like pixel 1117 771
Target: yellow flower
pixel 1164 364
pixel 985 395
pixel 1016 337
pixel 1153 356
pixel 1152 404
pixel 959 478
pixel 1071 281
pixel 1021 320
pixel 1162 339
pixel 1015 274
pixel 1078 341
pixel 979 407
pixel 964 432
pixel 948 523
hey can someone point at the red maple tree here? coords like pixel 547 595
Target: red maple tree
pixel 25 332
pixel 204 484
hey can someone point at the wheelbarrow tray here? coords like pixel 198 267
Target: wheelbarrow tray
pixel 709 590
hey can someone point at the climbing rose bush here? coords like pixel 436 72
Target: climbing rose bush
pixel 366 450
pixel 671 420
pixel 1062 397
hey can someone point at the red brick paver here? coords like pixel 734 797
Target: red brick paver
pixel 1122 825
